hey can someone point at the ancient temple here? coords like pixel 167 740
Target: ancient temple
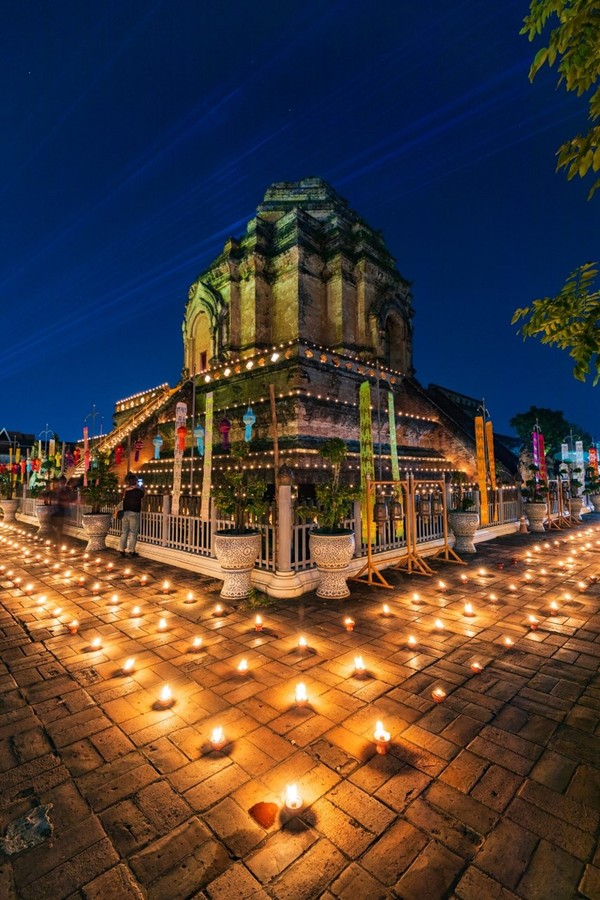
pixel 304 307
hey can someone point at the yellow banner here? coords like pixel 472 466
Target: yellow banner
pixel 484 513
pixel 367 466
pixel 399 525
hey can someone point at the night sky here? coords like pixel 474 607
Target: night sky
pixel 139 135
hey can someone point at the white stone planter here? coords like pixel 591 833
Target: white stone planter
pixel 595 501
pixel 463 525
pixel 9 509
pixel 44 516
pixel 575 504
pixel 536 514
pixel 96 527
pixel 332 554
pixel 237 554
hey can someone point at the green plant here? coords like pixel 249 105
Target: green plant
pixel 462 503
pixel 571 474
pixel 334 499
pixel 102 487
pixel 8 487
pixel 535 489
pixel 592 482
pixel 240 496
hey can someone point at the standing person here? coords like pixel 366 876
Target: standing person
pixel 132 507
pixel 62 497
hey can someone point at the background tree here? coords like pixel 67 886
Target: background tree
pixel 571 320
pixel 555 428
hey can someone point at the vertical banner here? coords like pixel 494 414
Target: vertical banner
pixel 481 470
pixel 535 441
pixel 542 452
pixel 86 454
pixel 491 461
pixel 593 459
pixel 564 452
pixel 51 447
pixel 208 445
pixel 579 464
pixel 367 468
pixel 399 525
pixel 180 420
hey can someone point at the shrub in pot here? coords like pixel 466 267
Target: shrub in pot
pixel 592 487
pixel 535 492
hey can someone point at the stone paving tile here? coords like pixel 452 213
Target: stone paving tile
pixel 493 793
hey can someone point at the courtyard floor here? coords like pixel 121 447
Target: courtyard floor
pixel 492 792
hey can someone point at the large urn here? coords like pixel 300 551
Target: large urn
pixel 9 510
pixel 237 554
pixel 332 553
pixel 96 527
pixel 464 524
pixel 536 515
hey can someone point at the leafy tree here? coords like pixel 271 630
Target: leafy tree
pixel 570 321
pixel 574 48
pixel 555 427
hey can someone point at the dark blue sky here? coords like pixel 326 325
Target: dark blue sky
pixel 138 136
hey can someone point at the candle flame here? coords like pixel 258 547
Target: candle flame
pixel 301 694
pixel 359 664
pixel 129 664
pixel 217 736
pixel 380 734
pixel 166 694
pixel 293 800
pixel 243 666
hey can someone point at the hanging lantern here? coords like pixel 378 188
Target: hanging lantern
pixel 224 428
pixel 23 465
pixel 380 511
pixel 248 419
pixel 137 447
pixel 425 506
pixel 199 433
pixel 438 505
pixel 76 455
pixel 181 436
pixel 396 510
pixel 87 459
pixel 118 455
pixel 158 442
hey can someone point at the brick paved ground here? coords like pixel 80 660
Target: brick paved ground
pixel 494 792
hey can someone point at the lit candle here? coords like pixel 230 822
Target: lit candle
pixel 554 606
pixel 438 695
pixel 162 625
pixel 128 666
pixel 166 587
pixel 411 640
pixel 197 643
pixel 386 610
pixel 114 599
pixel 493 598
pixel 439 624
pixel 349 623
pixel 416 598
pixel 508 642
pixel 95 588
pixel 528 576
pixel 73 626
pixel 468 608
pixel 243 667
pixel 218 609
pixel 476 668
pixel 543 572
pixel 567 596
pixel 136 611
pixel 442 585
pixel 359 665
pixel 57 612
pixel 217 738
pixel 533 623
pixel 302 645
pixel 190 597
pixel 96 643
pixel 28 588
pixel 110 567
pixel 166 697
pixel 293 800
pixel 582 586
pixel 258 623
pixel 382 738
pixel 482 572
pixel 127 572
pixel 143 580
pixel 301 694
pixel 41 600
pixel 512 587
pixel 464 579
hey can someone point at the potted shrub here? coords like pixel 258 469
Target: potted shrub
pixel 101 491
pixel 535 492
pixel 592 487
pixel 9 501
pixel 237 548
pixel 574 486
pixel 462 518
pixel 331 544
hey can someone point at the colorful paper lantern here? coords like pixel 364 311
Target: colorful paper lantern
pixel 181 435
pixel 199 435
pixel 224 428
pixel 248 419
pixel 158 442
pixel 118 455
pixel 137 447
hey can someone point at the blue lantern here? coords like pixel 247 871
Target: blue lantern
pixel 158 442
pixel 248 419
pixel 199 435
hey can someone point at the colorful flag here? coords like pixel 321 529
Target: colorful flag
pixel 481 470
pixel 180 420
pixel 208 445
pixel 367 466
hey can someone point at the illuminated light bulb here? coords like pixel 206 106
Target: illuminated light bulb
pixel 166 696
pixel 243 667
pixel 359 665
pixel 197 643
pixel 73 626
pixel 217 738
pixel 162 625
pixel 293 800
pixel 438 624
pixel 476 668
pixel 411 640
pixel 96 643
pixel 508 642
pixel 302 645
pixel 382 737
pixel 468 609
pixel 301 694
pixel 439 695
pixel 533 623
pixel 128 665
pixel 258 623
pixel 349 623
